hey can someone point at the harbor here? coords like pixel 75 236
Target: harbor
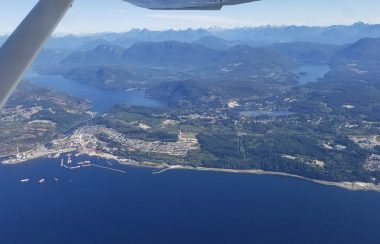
pixel 73 162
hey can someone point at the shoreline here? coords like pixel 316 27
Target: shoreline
pixel 163 167
pixel 352 186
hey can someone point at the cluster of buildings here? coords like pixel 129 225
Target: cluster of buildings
pixel 373 163
pixel 185 142
pixel 38 152
pixel 366 141
pixel 18 113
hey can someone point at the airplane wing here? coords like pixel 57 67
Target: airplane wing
pixel 186 4
pixel 21 48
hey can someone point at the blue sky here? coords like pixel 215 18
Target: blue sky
pixel 89 16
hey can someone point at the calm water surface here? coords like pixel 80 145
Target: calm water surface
pixel 94 205
pixel 101 99
pixel 311 73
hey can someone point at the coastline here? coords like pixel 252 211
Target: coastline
pixel 352 186
pixel 163 167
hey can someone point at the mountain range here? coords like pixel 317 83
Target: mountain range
pixel 254 36
pixel 179 56
pixel 101 62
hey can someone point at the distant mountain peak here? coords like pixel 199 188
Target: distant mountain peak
pixel 214 42
pixel 360 23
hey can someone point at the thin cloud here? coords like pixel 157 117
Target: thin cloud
pixel 211 20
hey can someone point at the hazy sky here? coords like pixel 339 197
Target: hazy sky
pixel 88 16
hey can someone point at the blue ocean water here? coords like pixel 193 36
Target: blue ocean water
pixel 94 205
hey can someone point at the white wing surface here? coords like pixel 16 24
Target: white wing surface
pixel 19 51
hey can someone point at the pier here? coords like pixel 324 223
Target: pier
pixel 164 170
pixel 108 168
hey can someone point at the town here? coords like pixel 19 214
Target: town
pixel 86 140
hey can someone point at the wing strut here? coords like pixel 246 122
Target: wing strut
pixel 21 48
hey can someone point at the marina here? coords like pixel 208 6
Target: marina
pixel 73 164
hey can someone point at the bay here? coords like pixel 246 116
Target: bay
pixel 100 99
pixel 311 73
